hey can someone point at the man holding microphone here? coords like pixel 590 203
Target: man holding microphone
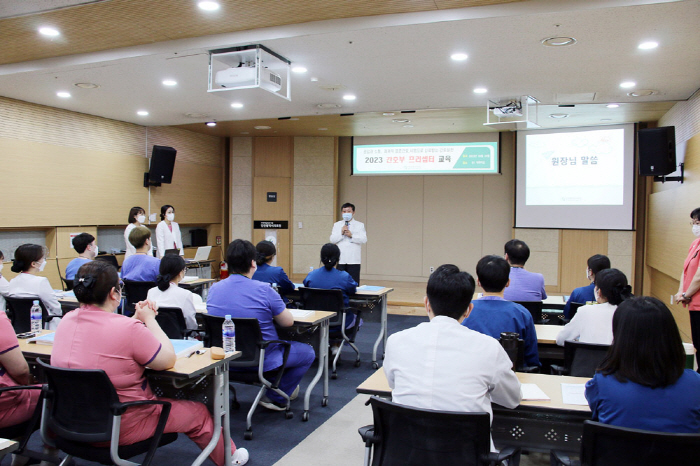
pixel 349 235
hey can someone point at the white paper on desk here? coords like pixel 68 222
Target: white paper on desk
pixel 299 313
pixel 189 278
pixel 573 394
pixel 531 392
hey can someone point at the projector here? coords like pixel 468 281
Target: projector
pixel 507 111
pixel 245 76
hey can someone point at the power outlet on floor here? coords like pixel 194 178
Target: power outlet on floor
pixel 432 269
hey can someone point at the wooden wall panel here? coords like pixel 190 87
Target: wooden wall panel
pixel 273 157
pixel 576 247
pixel 64 250
pixel 662 288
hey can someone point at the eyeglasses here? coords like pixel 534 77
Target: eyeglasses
pixel 120 287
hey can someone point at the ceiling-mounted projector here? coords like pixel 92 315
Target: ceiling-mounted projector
pixel 511 109
pixel 245 76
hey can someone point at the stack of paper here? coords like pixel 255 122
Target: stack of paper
pixel 184 348
pixel 300 313
pixel 573 394
pixel 531 392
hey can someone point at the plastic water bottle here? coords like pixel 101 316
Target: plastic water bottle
pixel 228 330
pixel 274 287
pixel 35 316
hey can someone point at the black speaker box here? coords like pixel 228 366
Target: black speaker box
pixel 162 164
pixel 657 150
pixel 199 237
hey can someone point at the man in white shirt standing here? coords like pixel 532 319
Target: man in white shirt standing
pixel 349 235
pixel 443 365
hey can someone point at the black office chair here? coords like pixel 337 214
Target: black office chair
pixel 515 348
pixel 581 359
pixel 606 445
pixel 407 436
pixel 332 300
pixel 134 292
pixel 250 343
pixel 109 258
pixel 19 313
pixel 65 283
pixel 81 408
pixel 535 308
pixel 172 322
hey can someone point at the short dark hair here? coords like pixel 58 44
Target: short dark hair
pixel 493 273
pixel 265 251
pixel 93 281
pixel 347 204
pixel 450 291
pixel 239 255
pixel 695 214
pixel 170 266
pixel 518 252
pixel 134 212
pixel 25 255
pixel 613 285
pixel 164 209
pixel 82 241
pixel 330 255
pixel 647 347
pixel 138 236
pixel 597 263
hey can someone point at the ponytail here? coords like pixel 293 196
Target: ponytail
pixel 170 266
pixel 163 281
pixel 265 251
pixel 330 255
pixel 613 286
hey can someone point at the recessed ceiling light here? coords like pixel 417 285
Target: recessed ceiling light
pixel 648 45
pixel 459 56
pixel 49 31
pixel 480 90
pixel 63 94
pixel 299 69
pixel 262 127
pixel 323 129
pixel 642 93
pixel 142 113
pixel 388 114
pixel 408 126
pixel 86 85
pixel 208 5
pixel 613 105
pixel 558 116
pixel 169 82
pixel 313 80
pixel 349 97
pixel 211 123
pixel 237 105
pixel 558 41
pixel 400 120
pixel 627 84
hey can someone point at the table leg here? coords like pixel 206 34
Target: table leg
pixel 322 370
pixel 382 334
pixel 220 415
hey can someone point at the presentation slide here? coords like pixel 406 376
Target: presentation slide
pixel 578 178
pixel 411 157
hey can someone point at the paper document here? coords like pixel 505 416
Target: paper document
pixel 531 392
pixel 188 279
pixel 184 348
pixel 573 394
pixel 43 339
pixel 300 313
pixel 369 288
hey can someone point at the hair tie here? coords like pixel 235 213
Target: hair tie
pixel 166 277
pixel 627 289
pixel 261 256
pixel 87 282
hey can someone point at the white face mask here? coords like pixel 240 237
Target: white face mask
pixel 42 264
pixel 588 275
pixel 347 216
pixel 140 218
pixel 1 266
pixel 170 217
pixel 96 250
pixel 696 231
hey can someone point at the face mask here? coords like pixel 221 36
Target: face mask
pixel 140 218
pixel 1 266
pixel 96 250
pixel 42 264
pixel 588 276
pixel 170 217
pixel 347 216
pixel 696 230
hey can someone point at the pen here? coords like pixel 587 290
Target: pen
pixel 199 351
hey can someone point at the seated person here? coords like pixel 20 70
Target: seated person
pixel 4 284
pixel 585 294
pixel 642 383
pixel 95 337
pixel 169 294
pixel 442 365
pixel 84 245
pixel 492 314
pixel 593 323
pixel 30 260
pixel 269 274
pixel 242 297
pixel 524 285
pixel 141 266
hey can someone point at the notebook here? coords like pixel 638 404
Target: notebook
pixel 184 348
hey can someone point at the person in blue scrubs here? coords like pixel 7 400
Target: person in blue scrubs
pixel 141 266
pixel 642 383
pixel 268 273
pixel 585 294
pixel 493 315
pixel 84 245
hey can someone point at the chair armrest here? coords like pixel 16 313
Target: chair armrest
pixel 119 409
pixel 507 453
pixel 557 458
pixel 559 370
pixel 529 369
pixel 368 436
pixel 285 355
pixel 21 387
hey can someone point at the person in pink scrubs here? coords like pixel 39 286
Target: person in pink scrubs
pixel 94 337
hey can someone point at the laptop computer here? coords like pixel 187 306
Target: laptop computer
pixel 202 254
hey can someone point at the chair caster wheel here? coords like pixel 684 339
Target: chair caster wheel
pixel 288 415
pixel 305 416
pixel 248 435
pixel 375 365
pixel 334 376
pixel 324 401
pixel 357 363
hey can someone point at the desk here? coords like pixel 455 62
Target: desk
pixel 547 341
pixel 186 371
pixel 205 283
pixel 533 425
pixel 7 446
pixel 554 302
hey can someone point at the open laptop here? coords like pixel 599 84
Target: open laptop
pixel 201 255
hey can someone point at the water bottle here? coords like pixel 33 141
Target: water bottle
pixel 35 317
pixel 276 288
pixel 228 330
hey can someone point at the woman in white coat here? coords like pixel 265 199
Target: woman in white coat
pixel 30 259
pixel 137 217
pixel 4 284
pixel 169 294
pixel 168 234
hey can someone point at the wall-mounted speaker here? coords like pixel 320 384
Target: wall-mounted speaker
pixel 657 151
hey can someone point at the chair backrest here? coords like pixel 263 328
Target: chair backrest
pixel 318 299
pixel 67 284
pixel 18 311
pixel 135 291
pixel 412 436
pixel 535 308
pixel 77 404
pixel 515 348
pixel 109 258
pixel 606 445
pixel 248 338
pixel 582 359
pixel 172 322
pixel 573 309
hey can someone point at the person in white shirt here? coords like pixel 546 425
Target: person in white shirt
pixel 593 323
pixel 169 294
pixel 137 217
pixel 4 284
pixel 349 235
pixel 443 365
pixel 168 234
pixel 30 260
